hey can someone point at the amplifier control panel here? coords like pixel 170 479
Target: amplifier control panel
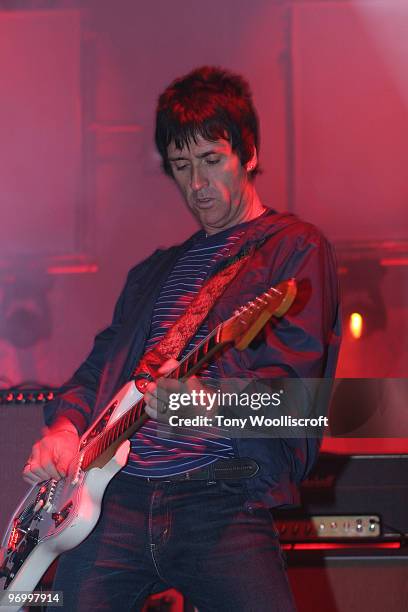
pixel 329 527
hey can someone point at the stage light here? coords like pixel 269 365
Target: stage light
pixel 363 316
pixel 363 306
pixel 356 325
pixel 25 317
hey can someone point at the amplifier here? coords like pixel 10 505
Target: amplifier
pixel 352 497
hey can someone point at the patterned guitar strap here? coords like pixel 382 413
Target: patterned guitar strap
pixel 181 332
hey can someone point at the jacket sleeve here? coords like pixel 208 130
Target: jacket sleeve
pixel 298 344
pixel 305 342
pixel 76 397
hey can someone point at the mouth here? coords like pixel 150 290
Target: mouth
pixel 204 202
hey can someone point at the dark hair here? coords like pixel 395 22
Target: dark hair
pixel 213 103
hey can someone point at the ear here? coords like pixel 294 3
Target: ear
pixel 253 162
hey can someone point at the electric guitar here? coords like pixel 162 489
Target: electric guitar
pixel 57 515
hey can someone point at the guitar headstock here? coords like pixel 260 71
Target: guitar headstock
pixel 246 322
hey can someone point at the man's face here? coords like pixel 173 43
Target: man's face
pixel 212 181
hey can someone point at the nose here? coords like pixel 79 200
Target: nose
pixel 198 179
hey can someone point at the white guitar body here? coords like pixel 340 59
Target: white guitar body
pixel 76 499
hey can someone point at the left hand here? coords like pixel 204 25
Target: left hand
pixel 157 393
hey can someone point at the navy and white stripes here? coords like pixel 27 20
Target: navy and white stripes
pixel 157 450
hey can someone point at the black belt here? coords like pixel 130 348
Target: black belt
pixel 228 469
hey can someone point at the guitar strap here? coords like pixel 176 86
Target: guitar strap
pixel 182 330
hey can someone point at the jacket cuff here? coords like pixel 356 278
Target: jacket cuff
pixel 77 419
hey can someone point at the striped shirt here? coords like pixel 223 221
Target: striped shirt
pixel 156 449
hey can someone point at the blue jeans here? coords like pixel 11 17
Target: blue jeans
pixel 207 540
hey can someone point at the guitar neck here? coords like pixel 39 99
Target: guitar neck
pixel 103 447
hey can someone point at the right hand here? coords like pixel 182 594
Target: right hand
pixel 52 454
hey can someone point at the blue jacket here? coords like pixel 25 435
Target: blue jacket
pixel 303 344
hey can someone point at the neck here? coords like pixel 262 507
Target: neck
pixel 249 208
pixel 253 208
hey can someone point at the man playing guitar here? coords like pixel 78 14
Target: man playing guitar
pixel 191 510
